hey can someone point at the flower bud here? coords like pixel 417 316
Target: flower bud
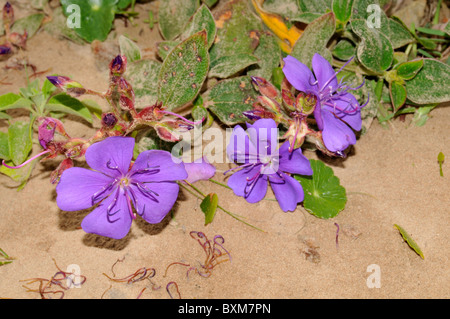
pixel 305 103
pixel 67 85
pixel 8 14
pixel 4 50
pixel 109 120
pixel 265 87
pixel 118 65
pixel 47 129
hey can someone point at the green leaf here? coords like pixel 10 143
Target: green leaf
pixel 164 48
pixel 409 240
pixel 431 84
pixel 201 20
pixel 237 27
pixel 369 112
pixel 315 6
pixel 30 24
pixel 269 54
pixel 199 112
pixel 13 101
pixel 4 146
pixel 209 207
pixel 57 26
pixel 229 98
pixel 285 8
pixel 342 10
pixel 70 105
pixel 143 77
pixel 19 141
pixel 315 39
pixel 227 66
pixel 129 49
pixel 183 72
pixel 409 70
pixel 398 95
pixel 344 50
pixel 421 114
pixel 96 18
pixel 375 51
pixel 173 15
pixel 324 196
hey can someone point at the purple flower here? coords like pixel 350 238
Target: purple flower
pixel 263 162
pixel 150 184
pixel 335 107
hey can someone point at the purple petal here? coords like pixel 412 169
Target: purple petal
pixel 164 196
pixel 337 136
pixel 239 148
pixel 199 170
pixel 288 191
pixel 318 115
pixel 77 186
pixel 239 183
pixel 295 162
pixel 116 224
pixel 324 72
pixel 157 166
pixel 264 135
pixel 299 75
pixel 111 156
pixel 345 110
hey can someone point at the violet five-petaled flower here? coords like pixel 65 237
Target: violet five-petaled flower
pixel 263 162
pixel 335 107
pixel 150 184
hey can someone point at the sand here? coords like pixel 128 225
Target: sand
pixel 391 177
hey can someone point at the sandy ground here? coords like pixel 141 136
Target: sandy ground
pixel 392 177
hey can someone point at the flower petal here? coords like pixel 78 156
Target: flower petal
pixel 116 224
pixel 239 148
pixel 288 191
pixel 299 75
pixel 337 136
pixel 164 196
pixel 295 162
pixel 264 135
pixel 77 186
pixel 324 72
pixel 239 183
pixel 115 152
pixel 156 166
pixel 347 109
pixel 202 170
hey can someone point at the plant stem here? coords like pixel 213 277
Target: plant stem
pixel 219 183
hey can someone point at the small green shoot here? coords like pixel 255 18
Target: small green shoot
pixel 4 258
pixel 409 240
pixel 209 207
pixel 441 158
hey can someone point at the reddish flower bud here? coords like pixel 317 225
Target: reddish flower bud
pixel 265 87
pixel 67 85
pixel 8 14
pixel 118 65
pixel 109 120
pixel 19 40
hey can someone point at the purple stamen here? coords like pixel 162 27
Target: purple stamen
pixel 147 192
pixel 99 194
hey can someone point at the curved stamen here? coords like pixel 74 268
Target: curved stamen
pixel 135 202
pixel 130 209
pixel 239 167
pixel 149 170
pixel 116 168
pixel 147 192
pixel 26 162
pixel 104 189
pixel 111 206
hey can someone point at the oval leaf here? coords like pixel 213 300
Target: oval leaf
pixel 143 76
pixel 183 72
pixel 209 207
pixel 19 141
pixel 398 95
pixel 129 49
pixel 173 16
pixel 408 70
pixel 431 84
pixel 70 105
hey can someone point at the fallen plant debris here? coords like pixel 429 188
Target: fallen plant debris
pixel 60 282
pixel 214 251
pixel 4 258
